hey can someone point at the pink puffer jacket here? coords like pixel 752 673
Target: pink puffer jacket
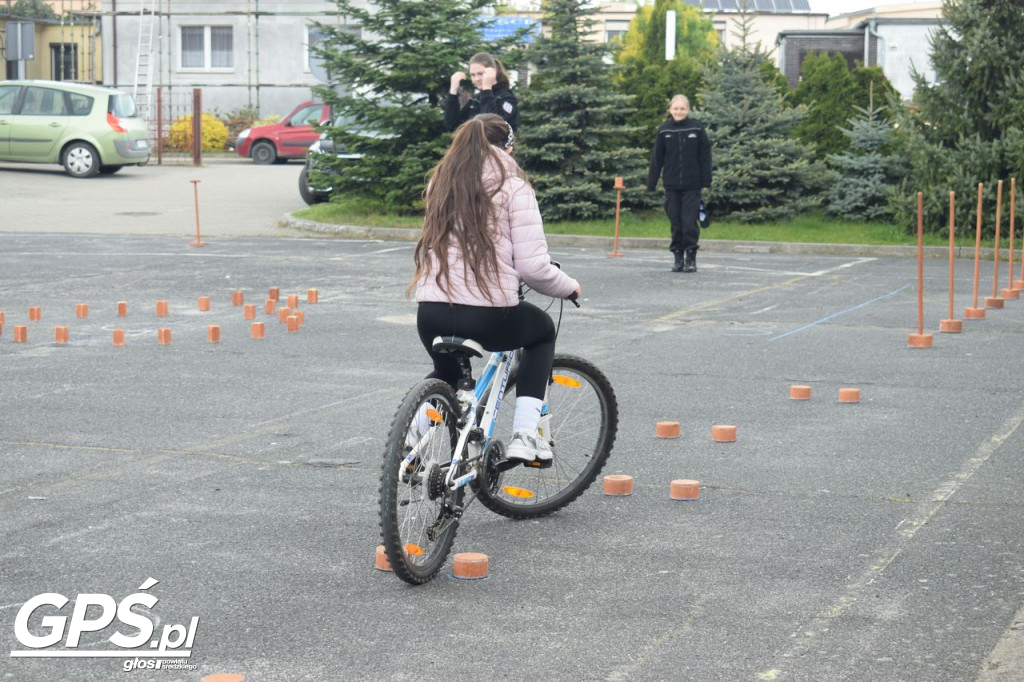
pixel 520 246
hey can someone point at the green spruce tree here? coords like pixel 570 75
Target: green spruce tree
pixel 761 172
pixel 573 137
pixel 829 91
pixel 832 93
pixel 390 66
pixel 967 127
pixel 867 172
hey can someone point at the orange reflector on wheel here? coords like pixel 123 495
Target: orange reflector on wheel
pixel 565 381
pixel 434 416
pixel 516 492
pixel 413 549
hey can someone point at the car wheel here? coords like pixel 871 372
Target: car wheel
pixel 81 160
pixel 263 153
pixel 309 195
pixel 110 170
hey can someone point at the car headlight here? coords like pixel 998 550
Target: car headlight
pixel 315 147
pixel 244 134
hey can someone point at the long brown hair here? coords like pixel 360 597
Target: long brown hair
pixel 460 206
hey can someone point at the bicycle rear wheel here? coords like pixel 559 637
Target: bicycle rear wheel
pixel 582 425
pixel 417 518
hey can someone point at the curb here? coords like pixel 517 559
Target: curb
pixel 651 243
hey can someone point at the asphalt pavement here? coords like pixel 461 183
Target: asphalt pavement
pixel 875 540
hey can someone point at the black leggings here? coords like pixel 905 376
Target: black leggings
pixel 524 326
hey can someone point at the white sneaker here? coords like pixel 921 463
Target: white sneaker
pixel 528 448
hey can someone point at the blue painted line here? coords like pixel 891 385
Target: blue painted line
pixel 841 312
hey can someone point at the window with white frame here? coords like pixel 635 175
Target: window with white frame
pixel 615 30
pixel 207 48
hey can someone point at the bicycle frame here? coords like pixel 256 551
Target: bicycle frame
pixel 475 433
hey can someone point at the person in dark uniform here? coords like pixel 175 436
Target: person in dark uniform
pixel 682 157
pixel 491 94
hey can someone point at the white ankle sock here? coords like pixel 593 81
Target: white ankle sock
pixel 527 417
pixel 422 421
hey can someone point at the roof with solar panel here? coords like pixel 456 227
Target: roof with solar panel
pixel 767 6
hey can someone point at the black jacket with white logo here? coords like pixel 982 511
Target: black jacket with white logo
pixel 500 100
pixel 681 155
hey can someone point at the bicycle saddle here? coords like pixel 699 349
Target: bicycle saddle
pixel 457 345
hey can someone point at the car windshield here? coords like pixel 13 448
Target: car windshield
pixel 122 106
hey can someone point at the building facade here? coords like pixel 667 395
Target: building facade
pixel 896 38
pixel 66 47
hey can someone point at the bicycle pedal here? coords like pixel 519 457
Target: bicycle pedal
pixel 505 464
pixel 539 463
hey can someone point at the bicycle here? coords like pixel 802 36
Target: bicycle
pixel 426 474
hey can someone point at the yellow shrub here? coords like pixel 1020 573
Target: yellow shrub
pixel 215 134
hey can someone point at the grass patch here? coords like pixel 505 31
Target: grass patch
pixel 813 228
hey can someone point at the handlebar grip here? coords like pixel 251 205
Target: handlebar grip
pixel 572 297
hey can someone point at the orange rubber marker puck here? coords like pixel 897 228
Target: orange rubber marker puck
pixel 381 563
pixel 269 306
pixel 301 315
pixel 259 330
pixel 60 334
pixel 237 298
pixel 274 294
pixel 20 333
pixel 723 433
pixel 951 326
pixel 213 333
pixel 293 323
pixel 666 429
pixel 994 302
pixel 293 301
pixel 920 341
pixel 283 313
pixel 618 484
pixel 974 313
pixel 161 308
pixel 82 310
pixel 2 317
pixel 118 337
pixel 849 395
pixel 204 303
pixel 797 392
pixel 313 296
pixel 35 313
pixel 684 489
pixel 163 336
pixel 470 565
pixel 250 311
pixel 1018 284
pixel 122 308
pixel 1010 294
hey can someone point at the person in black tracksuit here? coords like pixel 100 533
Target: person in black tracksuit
pixel 492 94
pixel 682 157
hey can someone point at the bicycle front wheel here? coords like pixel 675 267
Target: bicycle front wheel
pixel 417 511
pixel 582 422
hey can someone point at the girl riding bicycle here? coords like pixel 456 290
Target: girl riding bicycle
pixel 482 234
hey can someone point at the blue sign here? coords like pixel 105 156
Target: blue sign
pixel 498 28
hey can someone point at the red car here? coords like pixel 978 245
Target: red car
pixel 287 139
